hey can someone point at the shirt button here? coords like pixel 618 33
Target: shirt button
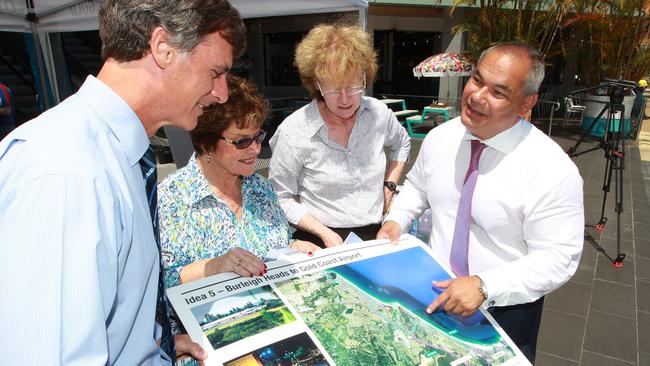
pixel 491 303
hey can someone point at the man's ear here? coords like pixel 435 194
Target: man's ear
pixel 162 51
pixel 528 104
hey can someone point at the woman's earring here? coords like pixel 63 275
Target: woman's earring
pixel 208 158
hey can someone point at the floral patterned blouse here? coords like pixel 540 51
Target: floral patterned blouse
pixel 195 224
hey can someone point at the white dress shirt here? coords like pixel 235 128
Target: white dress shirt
pixel 527 226
pixel 77 253
pixel 340 186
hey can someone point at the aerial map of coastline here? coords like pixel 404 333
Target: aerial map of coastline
pixel 371 312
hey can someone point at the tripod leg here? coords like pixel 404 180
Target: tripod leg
pixel 607 180
pixel 618 262
pixel 595 244
pixel 572 150
pixel 619 159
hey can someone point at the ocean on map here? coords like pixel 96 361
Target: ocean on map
pixel 399 277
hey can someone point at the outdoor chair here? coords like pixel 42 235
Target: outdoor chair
pixel 400 111
pixel 571 108
pixel 413 121
pixel 543 112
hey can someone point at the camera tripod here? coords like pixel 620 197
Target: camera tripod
pixel 613 145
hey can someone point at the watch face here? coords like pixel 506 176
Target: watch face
pixel 390 185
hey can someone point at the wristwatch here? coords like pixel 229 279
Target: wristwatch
pixel 483 289
pixel 390 185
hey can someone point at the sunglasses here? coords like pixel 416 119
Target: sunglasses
pixel 246 141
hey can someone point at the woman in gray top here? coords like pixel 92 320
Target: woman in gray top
pixel 329 164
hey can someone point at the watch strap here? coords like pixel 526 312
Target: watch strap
pixel 392 186
pixel 483 288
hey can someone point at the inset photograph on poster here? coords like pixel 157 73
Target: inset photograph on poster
pixel 296 350
pixel 247 313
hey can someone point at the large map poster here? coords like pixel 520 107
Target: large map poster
pixel 357 304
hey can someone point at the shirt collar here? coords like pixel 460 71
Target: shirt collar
pixel 118 116
pixel 199 187
pixel 507 140
pixel 315 121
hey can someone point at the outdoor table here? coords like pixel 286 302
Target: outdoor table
pixel 410 121
pixel 445 111
pixel 394 101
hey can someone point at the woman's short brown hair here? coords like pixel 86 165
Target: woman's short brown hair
pixel 334 53
pixel 245 108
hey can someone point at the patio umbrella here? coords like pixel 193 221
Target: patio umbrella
pixel 445 64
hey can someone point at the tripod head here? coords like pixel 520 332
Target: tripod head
pixel 617 89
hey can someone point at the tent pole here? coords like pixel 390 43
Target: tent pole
pixel 41 68
pixel 363 18
pixel 33 19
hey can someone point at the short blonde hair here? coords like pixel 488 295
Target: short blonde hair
pixel 334 53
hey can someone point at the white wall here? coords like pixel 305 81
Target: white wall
pixel 418 24
pixel 443 24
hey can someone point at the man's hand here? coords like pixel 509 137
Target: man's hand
pixel 461 297
pixel 186 348
pixel 390 230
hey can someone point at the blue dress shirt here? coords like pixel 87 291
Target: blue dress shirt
pixel 77 253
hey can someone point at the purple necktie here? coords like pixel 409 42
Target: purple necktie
pixel 460 242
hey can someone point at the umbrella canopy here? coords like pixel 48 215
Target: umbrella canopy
pixel 444 64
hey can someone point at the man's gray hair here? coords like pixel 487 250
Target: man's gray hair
pixel 536 74
pixel 125 26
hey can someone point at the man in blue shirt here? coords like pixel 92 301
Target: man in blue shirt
pixel 7 119
pixel 78 255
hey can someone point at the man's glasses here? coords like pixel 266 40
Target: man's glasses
pixel 353 90
pixel 246 141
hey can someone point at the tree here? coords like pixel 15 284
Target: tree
pixel 603 37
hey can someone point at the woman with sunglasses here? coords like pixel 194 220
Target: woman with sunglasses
pixel 329 163
pixel 216 215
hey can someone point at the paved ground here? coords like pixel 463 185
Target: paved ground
pixel 602 315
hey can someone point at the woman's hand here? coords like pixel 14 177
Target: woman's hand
pixel 310 224
pixel 303 246
pixel 237 260
pixel 330 238
pixel 388 198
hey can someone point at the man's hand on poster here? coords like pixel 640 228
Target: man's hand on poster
pixel 186 348
pixel 390 230
pixel 461 296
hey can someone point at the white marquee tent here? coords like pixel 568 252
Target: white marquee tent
pixel 80 15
